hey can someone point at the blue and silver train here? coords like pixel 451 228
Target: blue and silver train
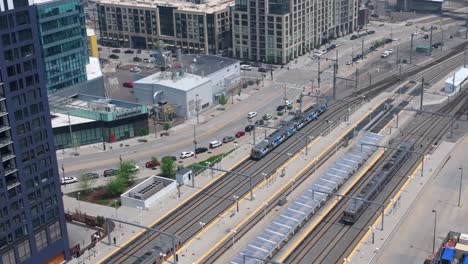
pixel 284 132
pixel 357 206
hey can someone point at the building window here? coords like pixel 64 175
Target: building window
pixel 54 232
pixel 41 240
pixel 9 257
pixel 24 250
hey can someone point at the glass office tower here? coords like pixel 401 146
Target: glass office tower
pixel 32 222
pixel 62 30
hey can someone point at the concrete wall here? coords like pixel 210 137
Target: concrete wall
pixel 205 96
pixel 219 78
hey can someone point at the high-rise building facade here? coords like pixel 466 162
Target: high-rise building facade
pixel 277 31
pixel 192 26
pixel 64 42
pixel 32 222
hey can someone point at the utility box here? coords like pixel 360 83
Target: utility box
pixel 456 81
pixel 184 176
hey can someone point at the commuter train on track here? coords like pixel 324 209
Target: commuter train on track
pixel 286 131
pixel 357 206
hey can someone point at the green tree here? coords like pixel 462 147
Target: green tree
pixel 86 182
pixel 167 126
pixel 222 100
pixel 127 172
pixel 143 132
pixel 116 186
pixel 168 168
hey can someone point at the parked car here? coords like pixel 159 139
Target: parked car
pixel 138 51
pixel 142 140
pixel 249 128
pixel 353 37
pixel 240 134
pixel 349 62
pixel 267 117
pixel 426 36
pixel 135 69
pixel 201 150
pixel 92 175
pixel 370 32
pixel 384 55
pixel 259 122
pixel 288 103
pixel 228 139
pixel 67 180
pixel 115 51
pixel 246 67
pixel 186 154
pixel 137 59
pixel 151 164
pixel 409 23
pixel 113 56
pixel 280 108
pixel 135 168
pixel 146 60
pixel 128 85
pixel 129 52
pixel 215 144
pixel 109 172
pixel 251 115
pixel 174 158
pixel 262 70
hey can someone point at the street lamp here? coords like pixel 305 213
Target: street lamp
pixel 195 140
pixel 461 181
pixel 233 237
pixel 197 108
pixel 266 205
pixel 115 205
pixel 79 205
pixel 236 200
pixel 434 234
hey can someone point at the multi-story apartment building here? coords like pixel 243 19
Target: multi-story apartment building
pixel 32 223
pixel 64 42
pixel 277 31
pixel 194 27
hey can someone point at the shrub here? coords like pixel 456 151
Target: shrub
pixel 168 169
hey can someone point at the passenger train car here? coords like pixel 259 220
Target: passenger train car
pixel 357 206
pixel 284 132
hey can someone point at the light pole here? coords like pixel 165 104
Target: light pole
pixel 197 108
pixel 434 234
pixel 115 205
pixel 79 205
pixel 233 237
pixel 195 140
pixel 236 200
pixel 265 211
pixel 202 226
pixel 461 181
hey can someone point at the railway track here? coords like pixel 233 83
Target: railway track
pixel 216 198
pixel 331 240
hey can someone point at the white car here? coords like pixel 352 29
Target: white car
pixel 384 55
pixel 267 117
pixel 349 63
pixel 186 154
pixel 389 51
pixel 246 67
pixel 288 103
pixel 251 115
pixel 215 144
pixel 68 180
pixel 136 168
pixel 135 69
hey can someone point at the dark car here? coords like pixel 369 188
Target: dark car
pixel 128 84
pixel 151 164
pixel 353 37
pixel 129 52
pixel 201 150
pixel 138 51
pixel 259 122
pixel 109 172
pixel 240 134
pixel 426 36
pixel 115 51
pixel 249 128
pixel 371 32
pixel 228 139
pixel 92 175
pixel 113 56
pixel 389 40
pixel 280 108
pixel 137 59
pixel 174 158
pixel 262 70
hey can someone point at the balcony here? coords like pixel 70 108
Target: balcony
pixel 7 156
pixel 10 170
pixel 12 184
pixel 4 128
pixel 5 142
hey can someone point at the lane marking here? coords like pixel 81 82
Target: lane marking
pixel 169 212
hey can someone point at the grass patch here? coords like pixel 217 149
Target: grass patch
pixel 209 162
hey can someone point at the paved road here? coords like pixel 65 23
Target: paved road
pixel 230 121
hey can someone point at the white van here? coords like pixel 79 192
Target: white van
pixel 215 144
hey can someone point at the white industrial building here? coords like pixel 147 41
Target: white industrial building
pixel 184 91
pixel 145 194
pixel 194 81
pixel 455 81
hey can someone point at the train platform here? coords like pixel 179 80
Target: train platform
pixel 407 236
pixel 225 225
